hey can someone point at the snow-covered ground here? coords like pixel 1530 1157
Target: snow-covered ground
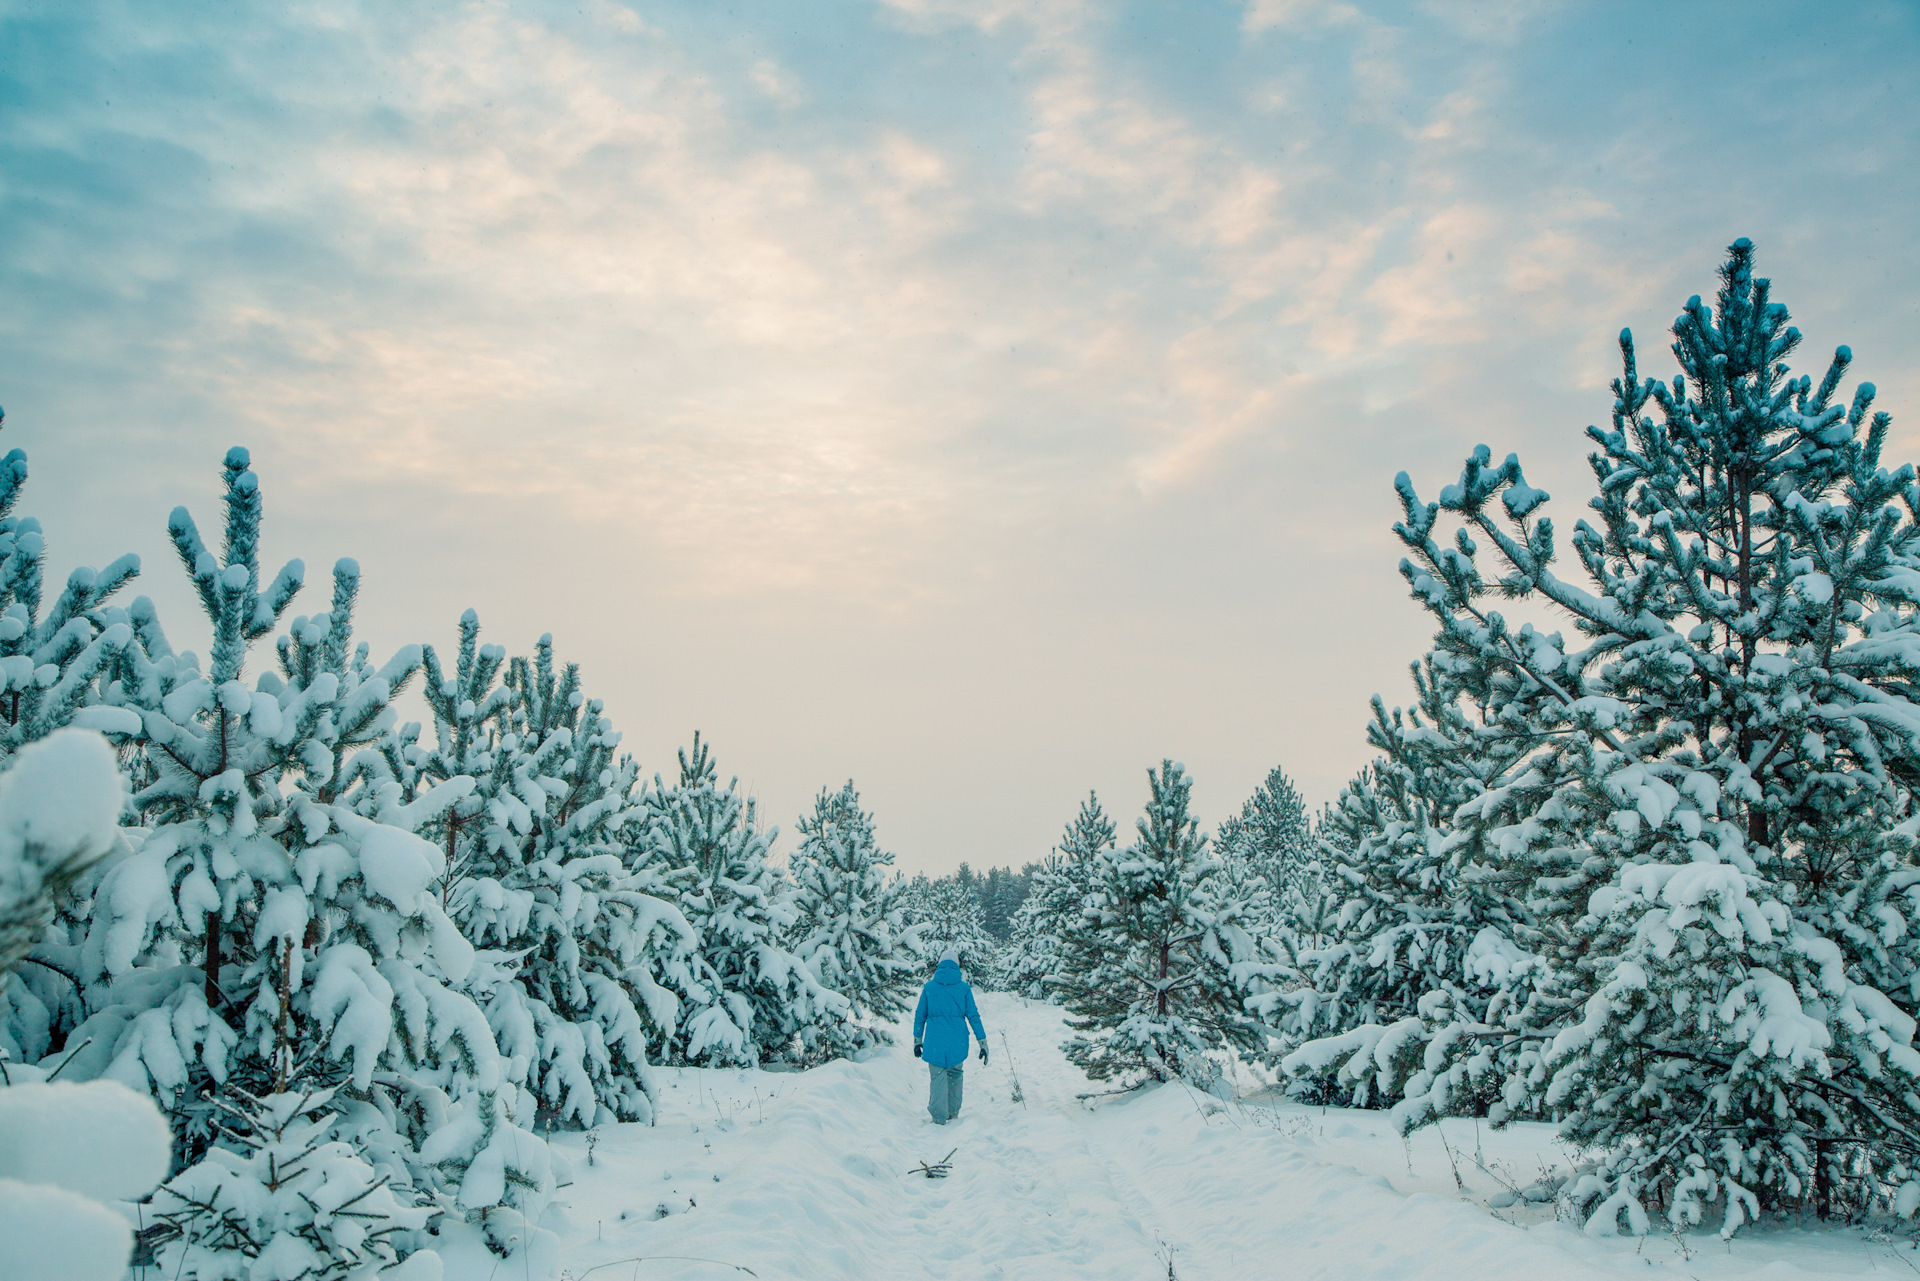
pixel 807 1175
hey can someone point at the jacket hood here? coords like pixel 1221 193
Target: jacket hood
pixel 949 972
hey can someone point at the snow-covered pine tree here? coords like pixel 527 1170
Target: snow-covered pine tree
pixel 1397 919
pixel 1036 952
pixel 947 914
pixel 750 997
pixel 849 927
pixel 280 909
pixel 1002 890
pixel 1088 836
pixel 1714 832
pixel 916 893
pixel 1307 915
pixel 990 889
pixel 536 859
pixel 1170 960
pixel 51 663
pixel 175 943
pixel 467 706
pixel 1270 833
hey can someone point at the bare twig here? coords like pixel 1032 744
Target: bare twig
pixel 1019 1095
pixel 1440 1129
pixel 63 1062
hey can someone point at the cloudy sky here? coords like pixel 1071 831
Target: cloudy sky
pixel 980 400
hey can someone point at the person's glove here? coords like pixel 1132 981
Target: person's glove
pixel 916 1049
pixel 983 1051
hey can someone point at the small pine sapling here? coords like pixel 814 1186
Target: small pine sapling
pixel 280 1196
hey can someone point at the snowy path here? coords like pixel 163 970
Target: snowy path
pixel 805 1176
pixel 821 1188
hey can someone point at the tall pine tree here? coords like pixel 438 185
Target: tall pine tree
pixel 536 869
pixel 850 928
pixel 1169 959
pixel 1037 956
pixel 278 919
pixel 947 916
pixel 1706 817
pixel 1399 917
pixel 750 997
pixel 1270 833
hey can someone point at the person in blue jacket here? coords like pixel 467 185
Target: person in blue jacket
pixel 940 1025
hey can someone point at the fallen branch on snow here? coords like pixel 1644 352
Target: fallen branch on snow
pixel 938 1170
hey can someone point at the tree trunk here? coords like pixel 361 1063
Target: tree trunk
pixel 1748 738
pixel 213 960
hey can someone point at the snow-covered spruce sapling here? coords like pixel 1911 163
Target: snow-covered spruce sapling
pixel 751 996
pixel 1168 958
pixel 1708 832
pixel 849 927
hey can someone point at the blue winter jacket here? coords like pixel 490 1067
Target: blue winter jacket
pixel 940 1020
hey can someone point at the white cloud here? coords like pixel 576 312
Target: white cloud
pixel 776 84
pixel 1269 15
pixel 878 429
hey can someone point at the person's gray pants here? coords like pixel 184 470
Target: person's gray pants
pixel 943 1094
